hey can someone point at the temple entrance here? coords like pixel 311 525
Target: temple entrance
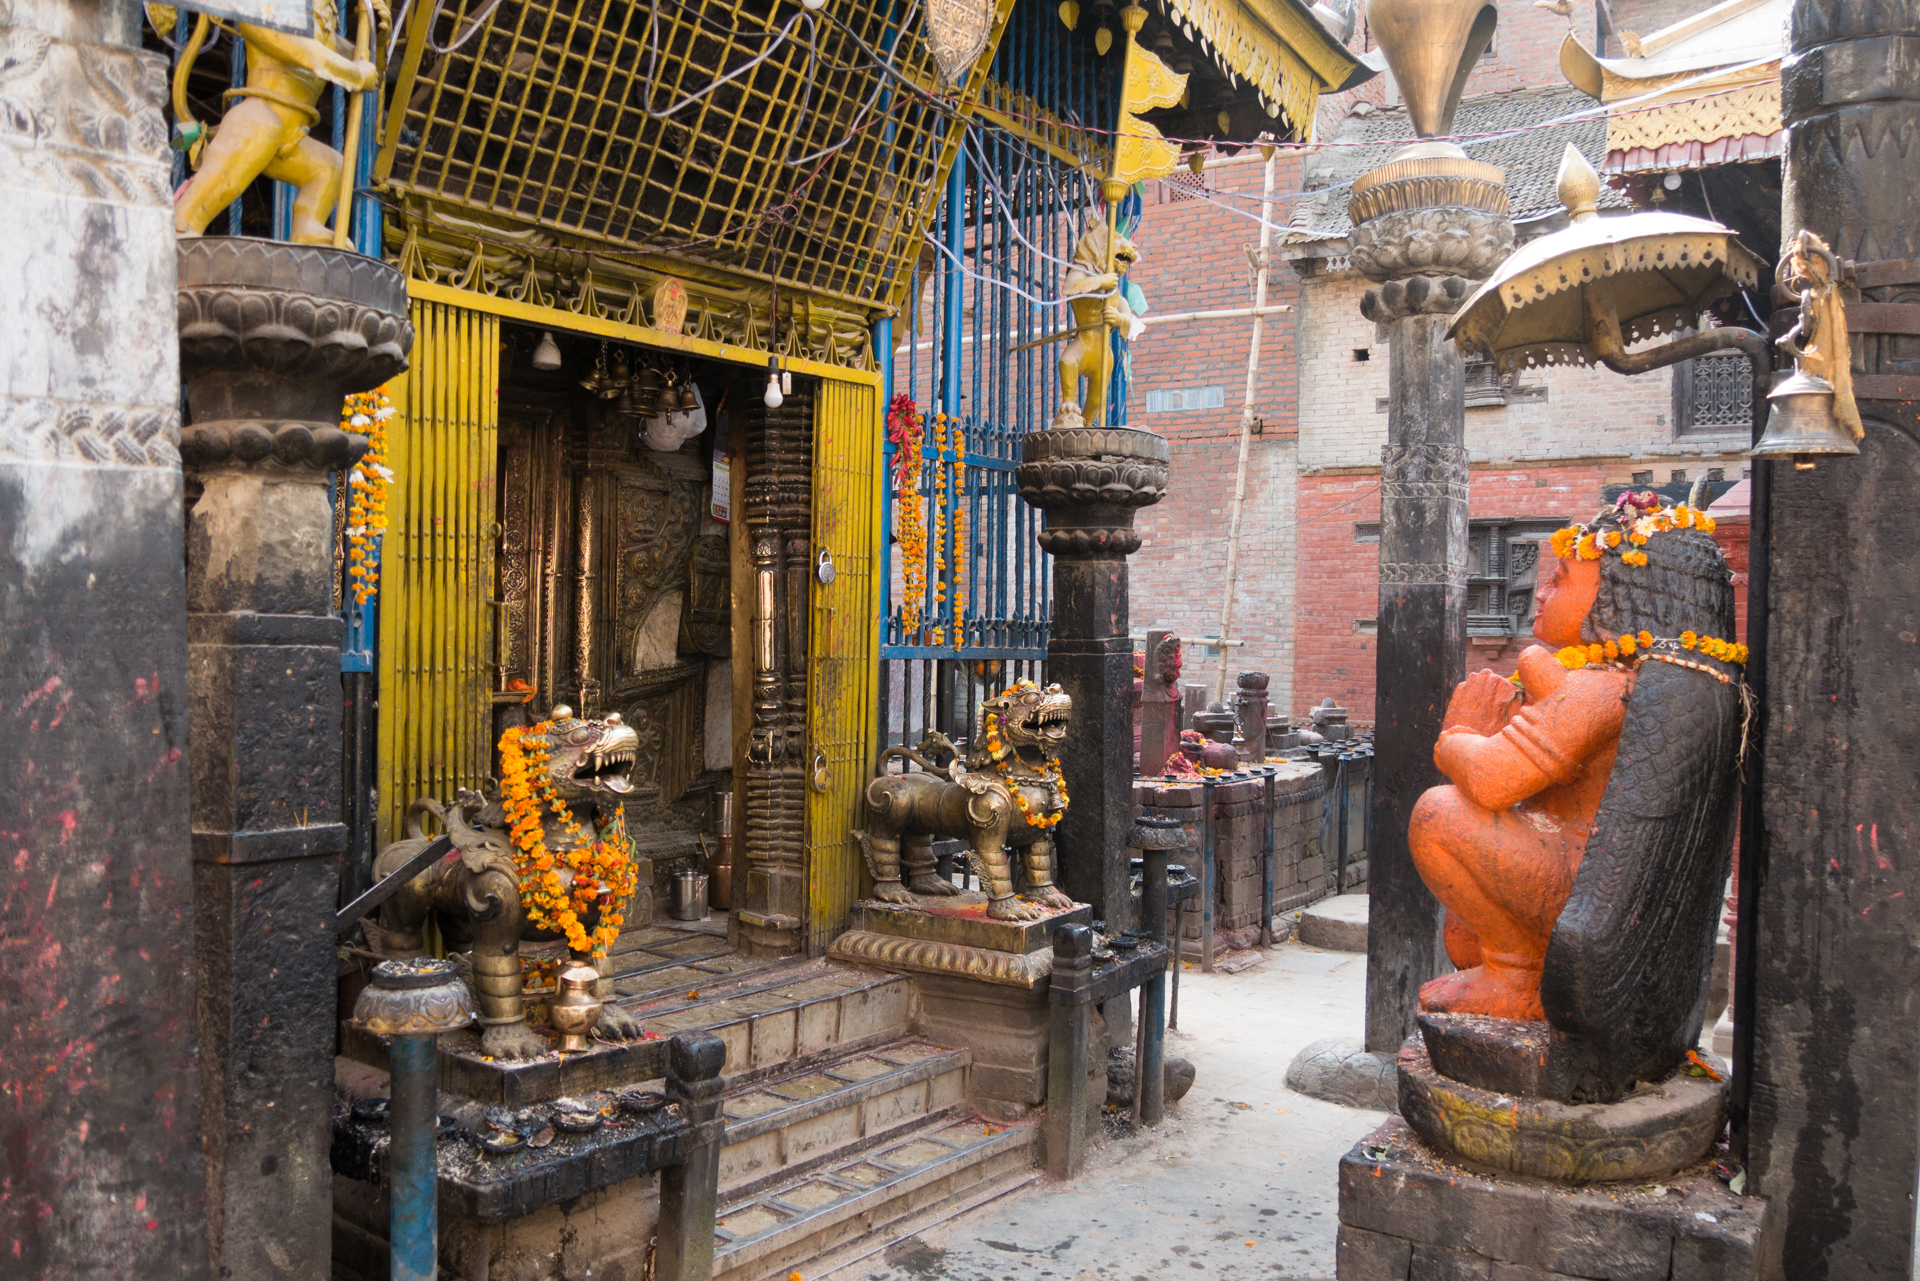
pixel 612 572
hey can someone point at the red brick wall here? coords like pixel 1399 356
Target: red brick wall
pixel 1526 49
pixel 1194 258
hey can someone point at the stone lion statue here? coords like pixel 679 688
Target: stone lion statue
pixel 476 897
pixel 1006 793
pixel 1095 299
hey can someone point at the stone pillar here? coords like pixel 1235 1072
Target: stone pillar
pixel 1833 1136
pixel 1426 227
pixel 272 337
pixel 103 1168
pixel 1089 481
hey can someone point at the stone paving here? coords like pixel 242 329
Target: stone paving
pixel 1237 1185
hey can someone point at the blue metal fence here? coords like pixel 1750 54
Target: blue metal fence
pixel 972 345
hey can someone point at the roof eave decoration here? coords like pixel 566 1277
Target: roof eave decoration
pixel 1655 272
pixel 1277 47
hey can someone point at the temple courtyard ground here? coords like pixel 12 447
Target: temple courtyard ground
pixel 1237 1184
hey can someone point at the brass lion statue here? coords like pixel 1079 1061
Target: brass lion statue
pixel 1007 792
pixel 476 898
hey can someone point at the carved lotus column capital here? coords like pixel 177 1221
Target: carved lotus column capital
pixel 1430 214
pixel 272 337
pixel 1089 481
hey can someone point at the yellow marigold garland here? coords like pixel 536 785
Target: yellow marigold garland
pixel 1640 517
pixel 938 535
pixel 905 429
pixel 603 870
pixel 1646 645
pixel 366 412
pixel 959 533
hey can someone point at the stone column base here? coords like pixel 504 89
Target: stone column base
pixel 1406 1212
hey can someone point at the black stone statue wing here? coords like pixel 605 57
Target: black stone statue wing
pixel 1626 970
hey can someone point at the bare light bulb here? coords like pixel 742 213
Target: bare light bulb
pixel 773 397
pixel 547 354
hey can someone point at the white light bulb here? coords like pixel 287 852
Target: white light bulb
pixel 773 397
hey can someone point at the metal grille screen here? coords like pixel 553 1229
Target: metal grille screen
pixel 706 130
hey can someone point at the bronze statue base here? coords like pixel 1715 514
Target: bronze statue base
pixel 1649 1135
pixel 962 919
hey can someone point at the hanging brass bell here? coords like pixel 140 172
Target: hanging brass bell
pixel 1802 425
pixel 688 402
pixel 621 377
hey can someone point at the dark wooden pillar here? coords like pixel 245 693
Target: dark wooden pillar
pixel 1089 482
pixel 1833 1134
pixel 1422 649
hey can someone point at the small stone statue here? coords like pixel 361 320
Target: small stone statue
pixel 1006 793
pixel 1581 845
pixel 265 130
pixel 1094 295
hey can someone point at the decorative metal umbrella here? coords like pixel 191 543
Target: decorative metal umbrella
pixel 1584 295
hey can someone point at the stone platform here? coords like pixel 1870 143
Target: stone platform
pixel 962 919
pixel 1338 924
pixel 1407 1214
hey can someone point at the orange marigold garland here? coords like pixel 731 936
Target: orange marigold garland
pixel 1643 645
pixel 603 870
pixel 1638 517
pixel 938 534
pixel 959 533
pixel 1003 757
pixel 366 412
pixel 905 428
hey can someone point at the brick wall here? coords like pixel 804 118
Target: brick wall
pixel 1194 258
pixel 1644 17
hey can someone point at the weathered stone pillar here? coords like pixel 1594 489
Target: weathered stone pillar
pixel 272 337
pixel 1089 482
pixel 100 1160
pixel 1834 1128
pixel 1426 225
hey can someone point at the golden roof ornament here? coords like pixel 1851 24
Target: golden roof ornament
pixel 957 33
pixel 1431 46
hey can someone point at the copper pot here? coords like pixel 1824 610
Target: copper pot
pixel 576 1009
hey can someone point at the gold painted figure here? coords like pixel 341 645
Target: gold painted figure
pixel 1096 301
pixel 264 131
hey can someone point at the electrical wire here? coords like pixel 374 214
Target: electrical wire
pixel 961 266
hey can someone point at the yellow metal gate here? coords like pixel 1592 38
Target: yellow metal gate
pixel 437 565
pixel 843 676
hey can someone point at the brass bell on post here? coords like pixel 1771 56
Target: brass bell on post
pixel 1803 424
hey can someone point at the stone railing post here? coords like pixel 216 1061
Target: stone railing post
pixel 690 1191
pixel 1071 998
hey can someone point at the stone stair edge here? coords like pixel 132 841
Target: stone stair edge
pixel 729 1256
pixel 760 982
pixel 854 1091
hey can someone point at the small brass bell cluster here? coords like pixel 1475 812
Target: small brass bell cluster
pixel 1813 411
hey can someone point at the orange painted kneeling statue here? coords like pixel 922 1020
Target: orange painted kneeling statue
pixel 1580 848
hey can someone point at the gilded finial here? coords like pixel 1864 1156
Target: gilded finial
pixel 1579 185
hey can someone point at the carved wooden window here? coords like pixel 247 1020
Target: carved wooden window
pixel 1503 564
pixel 1486 385
pixel 1713 396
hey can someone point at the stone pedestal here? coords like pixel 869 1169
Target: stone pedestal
pixel 102 1156
pixel 1405 1211
pixel 1426 228
pixel 982 985
pixel 1090 482
pixel 272 337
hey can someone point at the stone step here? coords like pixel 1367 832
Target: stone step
pixel 804 1118
pixel 949 1166
pixel 1338 924
pixel 791 1015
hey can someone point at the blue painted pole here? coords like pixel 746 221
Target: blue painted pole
pixel 413 1167
pixel 238 80
pixel 955 300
